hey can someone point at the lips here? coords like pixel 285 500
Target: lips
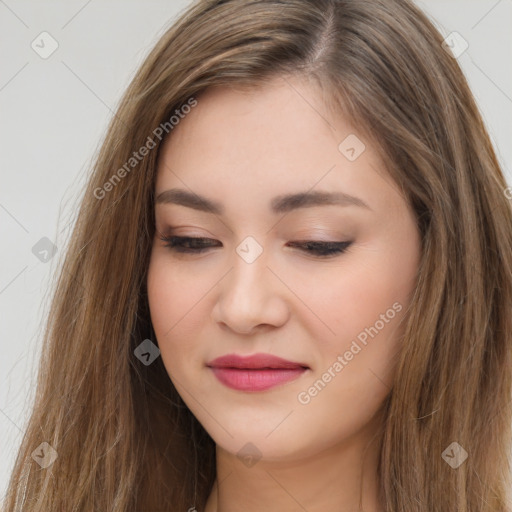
pixel 255 373
pixel 256 361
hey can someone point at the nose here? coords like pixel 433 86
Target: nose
pixel 251 297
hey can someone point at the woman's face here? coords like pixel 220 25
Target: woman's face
pixel 259 289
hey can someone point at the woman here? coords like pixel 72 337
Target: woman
pixel 290 281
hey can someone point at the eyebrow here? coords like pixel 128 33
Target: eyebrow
pixel 279 204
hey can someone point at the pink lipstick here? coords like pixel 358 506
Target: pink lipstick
pixel 255 373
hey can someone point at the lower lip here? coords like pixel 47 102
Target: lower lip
pixel 256 380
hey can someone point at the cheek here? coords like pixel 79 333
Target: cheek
pixel 363 305
pixel 163 290
pixel 171 295
pixel 385 275
pixel 179 309
pixel 355 297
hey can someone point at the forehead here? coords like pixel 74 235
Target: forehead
pixel 251 144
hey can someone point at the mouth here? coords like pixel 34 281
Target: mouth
pixel 255 373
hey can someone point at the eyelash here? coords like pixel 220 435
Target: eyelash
pixel 320 249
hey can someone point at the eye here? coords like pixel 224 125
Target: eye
pixel 322 249
pixel 185 244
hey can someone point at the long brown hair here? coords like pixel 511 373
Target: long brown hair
pixel 125 440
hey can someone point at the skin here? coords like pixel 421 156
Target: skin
pixel 242 149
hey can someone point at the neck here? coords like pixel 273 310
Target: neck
pixel 342 477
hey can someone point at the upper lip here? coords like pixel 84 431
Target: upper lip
pixel 255 361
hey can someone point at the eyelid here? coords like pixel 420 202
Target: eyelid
pixel 324 234
pixel 320 250
pixel 185 230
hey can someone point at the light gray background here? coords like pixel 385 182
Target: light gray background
pixel 54 114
